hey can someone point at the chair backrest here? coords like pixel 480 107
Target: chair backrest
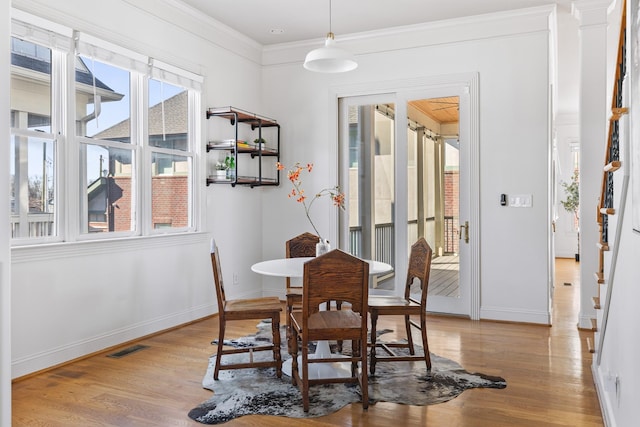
pixel 335 276
pixel 303 245
pixel 217 277
pixel 419 268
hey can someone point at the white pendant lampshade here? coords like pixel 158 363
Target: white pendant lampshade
pixel 330 58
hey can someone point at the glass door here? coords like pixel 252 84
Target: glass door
pixel 399 191
pixel 433 147
pixel 368 158
pixel 437 197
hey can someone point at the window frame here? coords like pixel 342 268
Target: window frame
pixel 57 120
pixel 71 215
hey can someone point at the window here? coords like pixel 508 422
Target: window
pixel 134 167
pixel 103 130
pixel 32 142
pixel 168 129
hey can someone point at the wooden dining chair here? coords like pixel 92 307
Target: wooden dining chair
pixel 407 306
pixel 340 276
pixel 302 245
pixel 243 309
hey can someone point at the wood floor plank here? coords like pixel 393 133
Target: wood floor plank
pixel 547 370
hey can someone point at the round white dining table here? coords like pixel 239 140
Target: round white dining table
pixel 294 267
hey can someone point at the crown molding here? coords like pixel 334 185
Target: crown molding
pixel 592 12
pixel 166 13
pixel 218 29
pixel 492 25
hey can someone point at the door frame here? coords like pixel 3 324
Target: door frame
pixel 466 87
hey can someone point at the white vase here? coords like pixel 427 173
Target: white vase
pixel 322 247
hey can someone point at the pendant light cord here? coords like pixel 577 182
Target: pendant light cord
pixel 330 29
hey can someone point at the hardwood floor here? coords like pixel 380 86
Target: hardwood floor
pixel 547 370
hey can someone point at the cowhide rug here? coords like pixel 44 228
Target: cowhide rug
pixel 259 392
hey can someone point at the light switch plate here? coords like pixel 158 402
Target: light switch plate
pixel 521 201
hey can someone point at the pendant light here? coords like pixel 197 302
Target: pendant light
pixel 330 58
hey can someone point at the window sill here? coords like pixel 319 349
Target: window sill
pixel 100 247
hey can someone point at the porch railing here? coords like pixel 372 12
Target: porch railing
pixel 450 235
pixel 385 235
pixel 37 225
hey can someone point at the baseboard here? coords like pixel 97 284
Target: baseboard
pixel 603 397
pixel 279 292
pixel 567 255
pixel 520 316
pixel 60 355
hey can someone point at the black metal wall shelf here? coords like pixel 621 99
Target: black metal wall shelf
pixel 237 147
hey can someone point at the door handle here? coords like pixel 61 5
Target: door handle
pixel 464 227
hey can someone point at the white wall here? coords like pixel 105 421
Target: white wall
pixel 76 300
pixel 567 51
pixel 72 299
pixel 508 51
pixel 5 256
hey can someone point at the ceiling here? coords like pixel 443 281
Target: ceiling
pixel 309 19
pixel 442 110
pixel 270 22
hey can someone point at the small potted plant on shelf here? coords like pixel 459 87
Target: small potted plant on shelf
pixel 221 170
pixel 230 164
pixel 260 143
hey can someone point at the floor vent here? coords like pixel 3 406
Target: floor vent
pixel 127 351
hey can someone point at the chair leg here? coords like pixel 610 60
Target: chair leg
pixel 305 376
pixel 288 323
pixel 355 349
pixel 374 321
pixel 275 330
pixel 364 377
pixel 221 328
pixel 293 346
pixel 407 325
pixel 339 344
pixel 425 343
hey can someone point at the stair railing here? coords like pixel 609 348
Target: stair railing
pixel 612 163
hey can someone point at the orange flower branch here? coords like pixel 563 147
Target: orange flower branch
pixel 297 192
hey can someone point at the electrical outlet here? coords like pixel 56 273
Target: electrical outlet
pixel 235 278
